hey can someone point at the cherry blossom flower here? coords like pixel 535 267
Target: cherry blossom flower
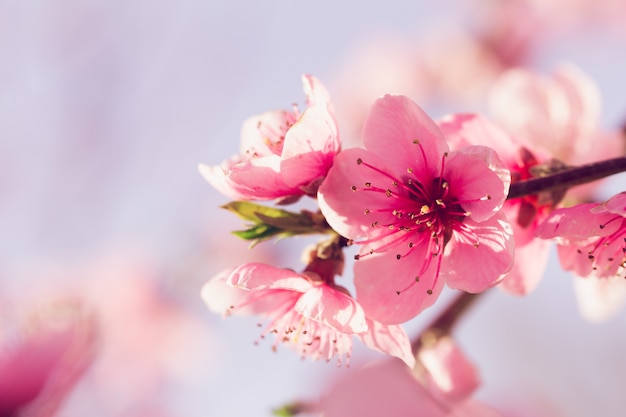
pixel 423 215
pixel 592 244
pixel 40 366
pixel 283 153
pixel 560 113
pixel 312 317
pixel 525 214
pixel 445 370
pixel 591 237
pixel 390 389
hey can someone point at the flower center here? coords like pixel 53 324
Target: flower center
pixel 608 254
pixel 424 214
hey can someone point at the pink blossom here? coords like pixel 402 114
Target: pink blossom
pixel 592 244
pixel 447 372
pixel 390 389
pixel 525 214
pixel 314 318
pixel 40 367
pixel 423 215
pixel 591 237
pixel 284 153
pixel 559 113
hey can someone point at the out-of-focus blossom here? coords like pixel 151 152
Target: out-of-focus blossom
pixel 147 341
pixel 447 373
pixel 390 389
pixel 45 358
pixel 283 153
pixel 524 214
pixel 592 244
pixel 307 314
pixel 559 113
pixel 423 214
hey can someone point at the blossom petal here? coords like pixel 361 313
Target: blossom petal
pixel 475 269
pixel 332 308
pixel 390 339
pixel 577 222
pixel 344 208
pixel 310 145
pixel 391 130
pixel 259 276
pixel 528 267
pixel 478 176
pixel 379 277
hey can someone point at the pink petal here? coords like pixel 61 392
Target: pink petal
pixel 576 222
pixel 390 130
pixel 343 208
pixel 528 268
pixel 310 145
pixel 390 339
pixel 263 134
pixel 450 373
pixel 466 129
pixel 615 205
pixel 475 269
pixel 316 93
pixel 258 276
pixel 474 173
pixel 332 308
pixel 381 389
pixel 378 277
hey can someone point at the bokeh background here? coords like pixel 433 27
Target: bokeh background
pixel 108 107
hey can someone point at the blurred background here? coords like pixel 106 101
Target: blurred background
pixel 108 232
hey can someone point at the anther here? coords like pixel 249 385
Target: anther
pixel 409 170
pixel 388 193
pixel 366 211
pixel 359 161
pixel 429 292
pixel 353 188
pixel 416 141
pixel 368 184
pixel 398 256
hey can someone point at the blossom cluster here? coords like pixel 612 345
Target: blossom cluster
pixel 424 203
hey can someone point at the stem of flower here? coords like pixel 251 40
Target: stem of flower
pixel 568 178
pixel 444 323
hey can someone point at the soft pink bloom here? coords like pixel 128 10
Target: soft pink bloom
pixel 40 366
pixel 423 214
pixel 447 372
pixel 591 237
pixel 314 318
pixel 524 214
pixel 592 244
pixel 284 153
pixel 390 389
pixel 560 113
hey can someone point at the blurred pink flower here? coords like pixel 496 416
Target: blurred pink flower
pixel 524 214
pixel 422 214
pixel 390 389
pixel 559 113
pixel 147 340
pixel 447 373
pixel 307 314
pixel 45 359
pixel 592 244
pixel 283 153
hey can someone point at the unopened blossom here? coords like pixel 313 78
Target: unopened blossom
pixel 421 214
pixel 592 244
pixel 315 319
pixel 445 370
pixel 283 153
pixel 520 157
